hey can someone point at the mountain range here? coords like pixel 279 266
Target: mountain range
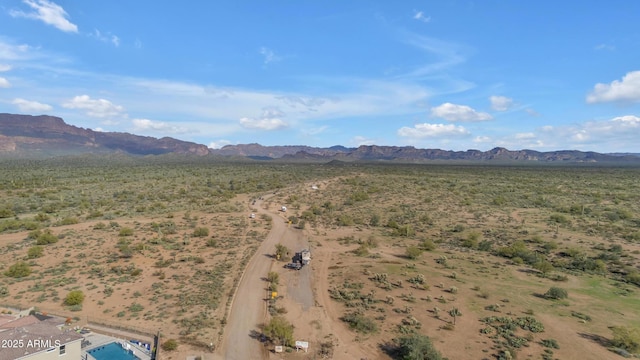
pixel 43 136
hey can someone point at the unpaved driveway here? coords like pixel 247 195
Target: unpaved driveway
pixel 248 309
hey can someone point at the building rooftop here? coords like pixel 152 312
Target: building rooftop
pixel 30 337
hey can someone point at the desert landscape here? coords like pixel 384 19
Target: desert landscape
pixel 487 262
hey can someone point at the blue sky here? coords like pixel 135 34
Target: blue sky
pixel 455 75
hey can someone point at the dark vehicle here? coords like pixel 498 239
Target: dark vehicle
pixel 294 265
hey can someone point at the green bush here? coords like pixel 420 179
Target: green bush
pixel 201 232
pixel 75 297
pixel 169 345
pixel 413 252
pixel 415 347
pixel 35 252
pixel 626 338
pixel 550 343
pixel 428 245
pixel 556 293
pixel 45 238
pixel 125 231
pixel 18 270
pixel 360 323
pixel 280 331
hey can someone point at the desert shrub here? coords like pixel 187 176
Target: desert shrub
pixel 362 250
pixel 556 293
pixel 581 316
pixel 212 242
pixel 360 323
pixel 6 213
pixel 472 240
pixel 559 219
pixel 282 252
pixel 125 231
pixel 413 252
pixel 18 270
pixel 375 220
pixel 135 307
pixel 45 238
pixel 279 330
pixel 273 277
pixel 201 232
pixel 35 252
pixel 345 220
pixel 170 345
pixel 633 277
pixel 626 338
pixel 428 245
pixel 544 267
pixel 75 297
pixel 100 226
pixel 550 343
pixel 485 245
pixel 414 347
pixel 69 221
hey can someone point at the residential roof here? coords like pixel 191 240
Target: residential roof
pixel 32 338
pixel 19 322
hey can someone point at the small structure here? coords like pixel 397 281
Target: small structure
pixel 305 256
pixel 252 216
pixel 283 209
pixel 314 187
pixel 304 345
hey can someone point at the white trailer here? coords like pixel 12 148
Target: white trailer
pixel 306 257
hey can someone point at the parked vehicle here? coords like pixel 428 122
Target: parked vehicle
pixel 294 266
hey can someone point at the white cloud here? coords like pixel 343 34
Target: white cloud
pixel 107 38
pixel 48 12
pixel 532 112
pixel 500 103
pixel 453 112
pixel 426 130
pixel 146 125
pixel 5 67
pixel 219 144
pixel 361 140
pixel 30 106
pixel 100 108
pixel 270 120
pixel 4 83
pixel 604 47
pixel 13 52
pixel 269 55
pixel 525 136
pixel 419 15
pixel 482 139
pixel 626 90
pixel 619 132
pixel 98 129
pixel 263 123
pixel 446 55
pixel 314 130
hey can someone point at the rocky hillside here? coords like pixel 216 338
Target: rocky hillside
pixel 26 135
pixel 274 152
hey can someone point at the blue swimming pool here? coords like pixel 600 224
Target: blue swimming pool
pixel 112 351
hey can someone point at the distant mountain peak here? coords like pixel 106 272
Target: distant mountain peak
pixel 46 135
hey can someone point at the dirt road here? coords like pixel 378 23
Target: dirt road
pixel 248 309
